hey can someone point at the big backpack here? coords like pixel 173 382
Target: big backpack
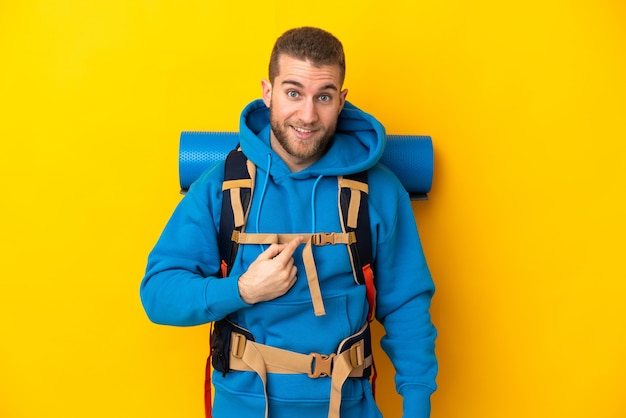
pixel 237 189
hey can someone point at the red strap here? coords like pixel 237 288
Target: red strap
pixel 207 385
pixel 207 389
pixel 224 268
pixel 370 291
pixel 207 379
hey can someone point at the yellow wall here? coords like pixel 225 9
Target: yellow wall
pixel 524 232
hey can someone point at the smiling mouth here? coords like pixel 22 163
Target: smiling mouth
pixel 302 130
pixel 303 134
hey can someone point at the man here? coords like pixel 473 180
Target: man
pixel 302 136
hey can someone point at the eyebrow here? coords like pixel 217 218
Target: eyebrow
pixel 329 86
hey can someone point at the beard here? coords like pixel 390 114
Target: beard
pixel 302 149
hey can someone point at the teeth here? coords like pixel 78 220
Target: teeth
pixel 301 130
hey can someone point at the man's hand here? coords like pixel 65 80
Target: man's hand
pixel 271 275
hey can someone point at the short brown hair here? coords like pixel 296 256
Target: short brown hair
pixel 308 44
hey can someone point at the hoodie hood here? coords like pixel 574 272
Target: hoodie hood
pixel 358 143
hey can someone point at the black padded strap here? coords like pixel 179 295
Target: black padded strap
pixel 235 168
pixel 361 250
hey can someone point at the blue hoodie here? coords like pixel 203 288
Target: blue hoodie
pixel 182 285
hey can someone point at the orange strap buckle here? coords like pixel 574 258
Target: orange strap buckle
pixel 321 365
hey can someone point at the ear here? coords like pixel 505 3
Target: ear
pixel 342 98
pixel 266 88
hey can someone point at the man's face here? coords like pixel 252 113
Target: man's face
pixel 305 102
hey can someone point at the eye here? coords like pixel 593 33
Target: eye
pixel 293 94
pixel 325 98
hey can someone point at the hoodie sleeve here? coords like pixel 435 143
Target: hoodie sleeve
pixel 180 286
pixel 404 291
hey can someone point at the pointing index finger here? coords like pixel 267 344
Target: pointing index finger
pixel 289 249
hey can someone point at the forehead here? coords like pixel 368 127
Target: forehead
pixel 304 72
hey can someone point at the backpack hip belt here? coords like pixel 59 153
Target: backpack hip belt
pixel 353 358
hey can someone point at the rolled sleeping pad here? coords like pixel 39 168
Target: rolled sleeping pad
pixel 409 157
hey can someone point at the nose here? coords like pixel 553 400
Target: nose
pixel 308 112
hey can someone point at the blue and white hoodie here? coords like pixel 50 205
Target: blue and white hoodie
pixel 182 287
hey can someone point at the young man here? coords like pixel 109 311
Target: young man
pixel 282 313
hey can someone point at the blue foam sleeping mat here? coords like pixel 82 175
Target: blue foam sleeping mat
pixel 410 157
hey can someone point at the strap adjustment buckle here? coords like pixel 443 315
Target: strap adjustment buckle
pixel 238 344
pixel 357 357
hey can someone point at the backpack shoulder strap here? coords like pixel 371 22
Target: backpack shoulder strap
pixel 353 205
pixel 237 188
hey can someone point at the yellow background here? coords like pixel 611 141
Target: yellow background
pixel 524 230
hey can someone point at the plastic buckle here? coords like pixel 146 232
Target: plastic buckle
pixel 325 239
pixel 357 357
pixel 237 344
pixel 321 365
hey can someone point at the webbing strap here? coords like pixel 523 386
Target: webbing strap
pixel 235 202
pixel 312 279
pixel 307 255
pixel 341 371
pixel 280 361
pixel 236 184
pixel 353 209
pixel 320 238
pixel 253 358
pixel 353 184
pixel 356 188
pixel 248 355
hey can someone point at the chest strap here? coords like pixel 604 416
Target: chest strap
pixel 319 239
pixel 353 359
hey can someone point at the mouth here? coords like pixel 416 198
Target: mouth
pixel 303 133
